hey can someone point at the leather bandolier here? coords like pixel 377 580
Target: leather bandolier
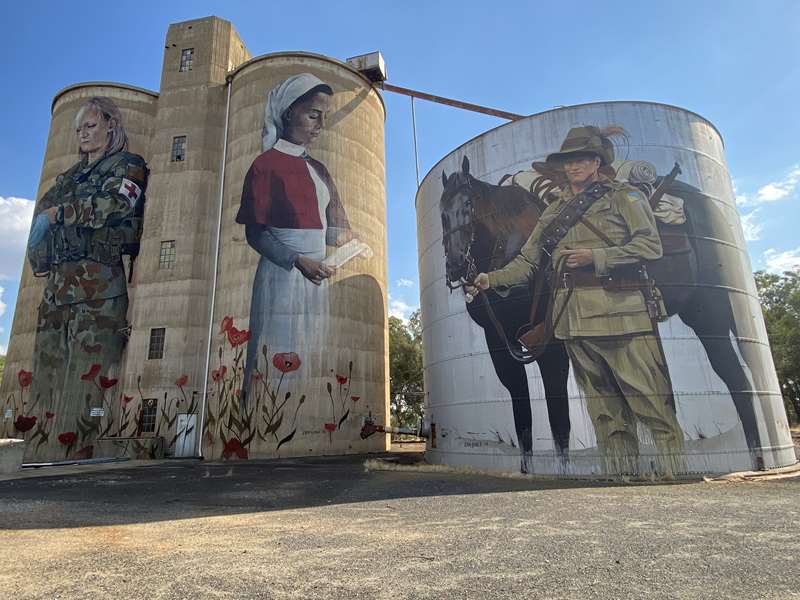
pixel 536 337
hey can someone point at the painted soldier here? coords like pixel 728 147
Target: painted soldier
pixel 594 236
pixel 82 227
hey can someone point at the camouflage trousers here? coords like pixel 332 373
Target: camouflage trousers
pixel 76 363
pixel 625 379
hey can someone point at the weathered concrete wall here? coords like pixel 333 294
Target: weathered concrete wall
pixel 182 206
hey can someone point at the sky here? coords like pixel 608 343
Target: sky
pixel 736 62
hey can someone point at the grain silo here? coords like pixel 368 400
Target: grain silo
pixel 317 362
pixel 315 358
pixel 490 410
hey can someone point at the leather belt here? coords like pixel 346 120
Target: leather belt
pixel 584 279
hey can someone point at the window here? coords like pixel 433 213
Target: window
pixel 179 148
pixel 156 343
pixel 147 420
pixel 166 259
pixel 187 58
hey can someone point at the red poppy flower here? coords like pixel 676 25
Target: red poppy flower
pixel 107 383
pixel 227 323
pixel 23 424
pixel 258 377
pixel 355 398
pixel 330 427
pixel 234 446
pixel 25 378
pixel 67 438
pixel 286 362
pixel 218 374
pixel 181 381
pixel 126 400
pixel 237 337
pixel 341 379
pixel 92 372
pixel 49 415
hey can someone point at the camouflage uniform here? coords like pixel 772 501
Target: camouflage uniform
pixel 82 315
pixel 608 332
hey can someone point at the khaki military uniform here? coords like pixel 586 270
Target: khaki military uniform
pixel 608 332
pixel 82 315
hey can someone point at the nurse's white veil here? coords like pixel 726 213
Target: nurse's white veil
pixel 281 98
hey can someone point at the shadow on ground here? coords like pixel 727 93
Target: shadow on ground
pixel 188 489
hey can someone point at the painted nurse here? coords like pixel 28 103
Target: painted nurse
pixel 291 211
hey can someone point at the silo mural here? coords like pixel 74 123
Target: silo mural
pixel 300 357
pixel 588 304
pixel 86 228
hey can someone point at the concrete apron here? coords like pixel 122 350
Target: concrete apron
pixel 11 452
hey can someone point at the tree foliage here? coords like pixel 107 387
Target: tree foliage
pixel 405 370
pixel 780 302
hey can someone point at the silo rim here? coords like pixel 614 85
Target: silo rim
pixel 544 112
pixel 114 84
pixel 301 54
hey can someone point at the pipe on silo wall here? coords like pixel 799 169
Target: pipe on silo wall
pixel 725 391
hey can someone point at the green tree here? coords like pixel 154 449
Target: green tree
pixel 405 370
pixel 780 303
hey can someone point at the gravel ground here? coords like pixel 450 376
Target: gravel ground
pixel 329 528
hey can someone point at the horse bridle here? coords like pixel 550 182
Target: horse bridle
pixel 471 270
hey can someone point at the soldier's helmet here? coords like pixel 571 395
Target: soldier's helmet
pixel 587 140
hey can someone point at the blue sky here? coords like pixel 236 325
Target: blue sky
pixel 735 62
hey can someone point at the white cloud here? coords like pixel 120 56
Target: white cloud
pixel 752 229
pixel 778 190
pixel 15 222
pixel 400 309
pixel 3 350
pixel 778 262
pixel 403 282
pixel 3 305
pixel 741 198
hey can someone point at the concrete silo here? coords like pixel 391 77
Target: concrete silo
pixel 138 108
pixel 725 391
pixel 301 385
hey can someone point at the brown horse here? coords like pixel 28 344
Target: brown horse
pixel 484 226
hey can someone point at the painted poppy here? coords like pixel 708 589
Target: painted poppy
pixel 218 374
pixel 234 447
pixel 237 337
pixel 126 400
pixel 341 379
pixel 67 438
pixel 107 383
pixel 25 378
pixel 286 362
pixel 330 427
pixel 23 424
pixel 49 415
pixel 258 377
pixel 227 323
pixel 355 398
pixel 181 381
pixel 92 372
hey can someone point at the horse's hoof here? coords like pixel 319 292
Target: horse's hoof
pixel 526 463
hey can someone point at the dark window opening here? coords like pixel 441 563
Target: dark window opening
pixel 179 148
pixel 166 258
pixel 187 58
pixel 156 349
pixel 147 420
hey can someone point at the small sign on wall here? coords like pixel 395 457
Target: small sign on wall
pixel 9 414
pixel 97 411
